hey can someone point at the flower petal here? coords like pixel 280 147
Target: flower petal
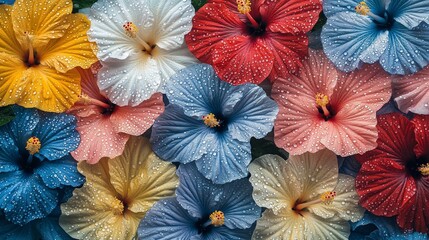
pixel 411 92
pixel 130 81
pixel 230 234
pixel 384 186
pixel 9 152
pixel 350 39
pixel 331 7
pixel 12 71
pixel 409 13
pixel 286 226
pixel 408 49
pixel 167 220
pixel 8 42
pixel 72 50
pixel 421 123
pixel 45 20
pixel 253 56
pixel 335 228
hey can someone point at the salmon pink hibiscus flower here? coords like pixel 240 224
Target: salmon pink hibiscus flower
pixel 394 177
pixel 105 127
pixel 248 41
pixel 322 107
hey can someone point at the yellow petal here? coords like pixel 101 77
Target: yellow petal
pixel 73 49
pixel 141 177
pixel 289 225
pixel 12 72
pixel 8 43
pixel 43 19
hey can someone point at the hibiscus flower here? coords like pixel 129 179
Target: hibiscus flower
pixel 305 197
pixel 140 45
pixel 41 43
pixel 392 32
pixel 36 170
pixel 322 107
pixel 211 122
pixel 248 41
pixel 105 127
pixel 117 194
pixel 394 177
pixel 202 210
pixel 411 92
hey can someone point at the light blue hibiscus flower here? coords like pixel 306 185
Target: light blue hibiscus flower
pixel 36 170
pixel 211 122
pixel 393 32
pixel 202 210
pixel 10 2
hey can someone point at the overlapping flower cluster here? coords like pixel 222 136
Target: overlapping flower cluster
pixel 101 105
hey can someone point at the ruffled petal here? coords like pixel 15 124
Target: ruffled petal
pixel 421 123
pixel 44 20
pixel 9 152
pixel 59 173
pixel 72 50
pixel 350 39
pixel 285 226
pixel 411 92
pixel 168 220
pixel 22 126
pixel 407 51
pixel 136 120
pixel 384 186
pixel 212 23
pixel 331 7
pixel 49 228
pixel 335 228
pixel 227 233
pixel 25 197
pixel 12 71
pixel 291 16
pixel 172 20
pixel 409 13
pixel 8 42
pixel 241 59
pixel 179 138
pixel 130 81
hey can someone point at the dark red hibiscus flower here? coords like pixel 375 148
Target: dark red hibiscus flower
pixel 248 41
pixel 394 178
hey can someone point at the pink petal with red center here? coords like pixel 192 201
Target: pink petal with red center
pixel 299 126
pixel 212 23
pixel 411 92
pixel 395 141
pixel 136 120
pixel 421 131
pixel 384 186
pixel 414 216
pixel 291 16
pixel 288 50
pixel 240 59
pixel 98 139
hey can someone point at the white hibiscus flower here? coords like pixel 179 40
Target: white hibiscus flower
pixel 140 45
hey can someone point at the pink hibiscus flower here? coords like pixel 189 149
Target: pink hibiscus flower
pixel 248 41
pixel 321 107
pixel 104 127
pixel 394 177
pixel 411 92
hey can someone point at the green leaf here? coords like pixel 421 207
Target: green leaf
pixel 198 3
pixel 263 146
pixel 6 115
pixel 79 4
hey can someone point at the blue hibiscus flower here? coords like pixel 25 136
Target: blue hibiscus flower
pixel 393 32
pixel 202 210
pixel 10 2
pixel 211 122
pixel 36 170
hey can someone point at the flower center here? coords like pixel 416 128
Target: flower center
pixel 31 59
pixel 328 197
pixel 244 6
pixel 217 218
pixel 118 207
pixel 211 121
pixel 322 103
pixel 424 169
pixel 130 29
pixel 33 145
pixel 108 108
pixel 363 9
pixel 325 198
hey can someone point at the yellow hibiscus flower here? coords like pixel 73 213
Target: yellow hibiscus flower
pixel 41 44
pixel 118 192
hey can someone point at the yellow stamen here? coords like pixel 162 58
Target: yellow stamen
pixel 130 29
pixel 29 39
pixel 117 207
pixel 328 197
pixel 362 8
pixel 243 6
pixel 322 100
pixel 211 121
pixel 217 218
pixel 424 169
pixel 33 145
pixel 87 100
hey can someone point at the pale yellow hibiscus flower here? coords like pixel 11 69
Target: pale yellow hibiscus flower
pixel 305 197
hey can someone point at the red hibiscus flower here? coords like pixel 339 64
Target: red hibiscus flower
pixel 248 41
pixel 394 178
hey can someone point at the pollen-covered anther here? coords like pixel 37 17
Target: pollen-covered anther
pixel 130 29
pixel 322 101
pixel 328 197
pixel 117 207
pixel 217 218
pixel 244 6
pixel 424 169
pixel 362 8
pixel 211 121
pixel 33 145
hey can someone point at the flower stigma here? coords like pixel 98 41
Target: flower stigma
pixel 33 145
pixel 424 169
pixel 217 218
pixel 322 101
pixel 130 29
pixel 328 197
pixel 31 59
pixel 211 121
pixel 363 9
pixel 118 207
